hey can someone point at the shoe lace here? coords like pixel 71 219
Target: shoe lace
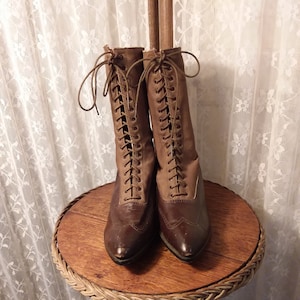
pixel 124 111
pixel 168 108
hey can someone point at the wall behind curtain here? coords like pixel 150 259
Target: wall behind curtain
pixel 246 116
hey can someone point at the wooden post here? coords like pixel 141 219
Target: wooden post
pixel 153 23
pixel 166 24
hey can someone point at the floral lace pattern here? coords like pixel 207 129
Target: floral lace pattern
pixel 247 120
pixel 245 109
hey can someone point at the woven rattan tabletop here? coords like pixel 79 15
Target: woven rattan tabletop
pixel 229 261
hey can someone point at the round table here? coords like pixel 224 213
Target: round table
pixel 229 261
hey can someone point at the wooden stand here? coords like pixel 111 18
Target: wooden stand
pixel 229 261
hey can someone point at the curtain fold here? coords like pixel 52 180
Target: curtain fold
pixel 245 108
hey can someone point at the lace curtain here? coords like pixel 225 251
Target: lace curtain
pixel 245 111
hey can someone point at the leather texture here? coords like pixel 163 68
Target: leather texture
pixel 131 224
pixel 184 221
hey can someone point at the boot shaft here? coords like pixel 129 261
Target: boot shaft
pixel 133 136
pixel 172 126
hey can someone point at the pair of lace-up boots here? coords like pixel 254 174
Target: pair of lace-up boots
pixel 159 186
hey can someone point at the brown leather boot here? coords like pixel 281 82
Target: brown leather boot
pixel 130 226
pixel 183 215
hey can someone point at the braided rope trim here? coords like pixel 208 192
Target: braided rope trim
pixel 216 290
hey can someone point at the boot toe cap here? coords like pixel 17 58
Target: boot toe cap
pixel 186 244
pixel 120 253
pixel 127 245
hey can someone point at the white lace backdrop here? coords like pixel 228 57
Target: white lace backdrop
pixel 245 111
